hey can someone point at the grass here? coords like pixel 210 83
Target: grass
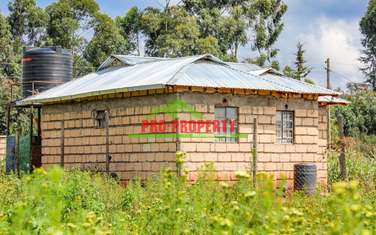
pixel 76 202
pixel 58 202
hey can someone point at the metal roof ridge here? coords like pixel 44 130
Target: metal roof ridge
pixel 198 58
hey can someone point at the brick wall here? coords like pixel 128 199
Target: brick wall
pixel 3 147
pixel 276 159
pixel 142 157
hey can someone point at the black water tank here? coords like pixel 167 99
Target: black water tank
pixel 305 177
pixel 45 68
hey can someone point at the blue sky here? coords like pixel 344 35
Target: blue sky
pixel 327 28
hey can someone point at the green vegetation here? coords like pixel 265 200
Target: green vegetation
pixel 58 202
pixel 359 116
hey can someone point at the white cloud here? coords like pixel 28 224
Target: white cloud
pixel 338 40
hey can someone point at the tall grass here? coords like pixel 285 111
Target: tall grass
pixel 360 162
pixel 58 202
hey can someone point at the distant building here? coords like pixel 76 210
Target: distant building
pixel 358 86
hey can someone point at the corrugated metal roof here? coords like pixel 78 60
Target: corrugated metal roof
pixel 245 67
pixel 333 100
pixel 140 73
pixel 296 85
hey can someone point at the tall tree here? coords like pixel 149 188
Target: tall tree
pixel 69 22
pixel 130 26
pixel 265 18
pixel 224 20
pixel 9 66
pixel 107 40
pixel 173 32
pixel 9 71
pixel 27 21
pixel 368 30
pixel 301 69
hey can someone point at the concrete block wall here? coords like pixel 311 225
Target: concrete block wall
pixel 84 144
pixel 142 157
pixel 273 158
pixel 3 147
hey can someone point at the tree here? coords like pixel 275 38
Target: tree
pixel 130 26
pixel 275 65
pixel 265 18
pixel 224 20
pixel 69 21
pixel 9 71
pixel 301 69
pixel 236 26
pixel 288 71
pixel 27 21
pixel 368 30
pixel 174 33
pixel 107 40
pixel 9 66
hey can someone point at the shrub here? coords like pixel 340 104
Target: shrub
pixel 57 202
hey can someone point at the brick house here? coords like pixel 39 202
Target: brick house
pixel 126 110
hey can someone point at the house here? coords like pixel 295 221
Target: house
pixel 358 86
pixel 139 111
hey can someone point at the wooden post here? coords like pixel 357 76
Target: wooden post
pixel 62 138
pixel 108 157
pixel 342 156
pixel 327 68
pixel 39 122
pixel 254 152
pixel 17 151
pixel 31 138
pixel 8 119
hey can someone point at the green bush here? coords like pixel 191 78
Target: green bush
pixel 58 202
pixel 359 116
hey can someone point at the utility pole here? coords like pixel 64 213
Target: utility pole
pixel 327 68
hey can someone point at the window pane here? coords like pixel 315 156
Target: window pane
pixel 285 126
pixel 228 114
pixel 231 113
pixel 219 113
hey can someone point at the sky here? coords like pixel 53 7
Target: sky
pixel 327 29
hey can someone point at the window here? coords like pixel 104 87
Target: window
pixel 227 121
pixel 285 127
pixel 101 118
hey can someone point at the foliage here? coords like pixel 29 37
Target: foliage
pixel 28 21
pixel 368 30
pixel 288 71
pixel 301 70
pixel 265 16
pixel 360 162
pixel 9 74
pixel 57 202
pixel 69 21
pixel 359 115
pixel 130 26
pixel 173 33
pixel 9 67
pixel 107 40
